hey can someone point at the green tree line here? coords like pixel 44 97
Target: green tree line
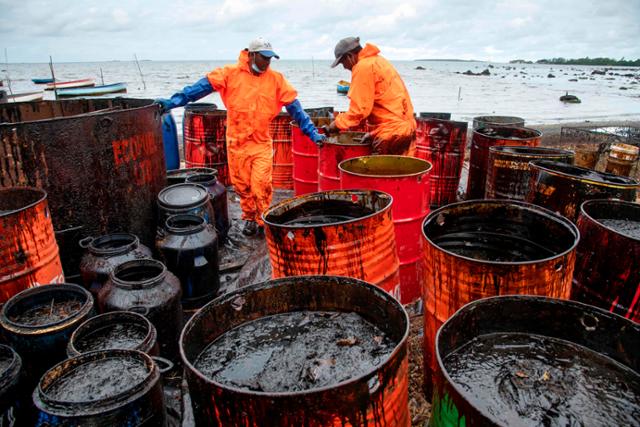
pixel 591 61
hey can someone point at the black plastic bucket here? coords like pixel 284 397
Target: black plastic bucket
pixel 39 321
pixel 129 391
pixel 12 390
pixel 119 329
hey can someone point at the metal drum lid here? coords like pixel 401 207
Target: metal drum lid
pixel 185 195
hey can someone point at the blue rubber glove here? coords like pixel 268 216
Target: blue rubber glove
pixel 304 121
pixel 198 90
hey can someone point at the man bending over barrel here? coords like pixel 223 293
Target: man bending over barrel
pixel 253 94
pixel 378 95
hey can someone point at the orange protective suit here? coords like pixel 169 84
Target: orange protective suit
pixel 252 102
pixel 378 94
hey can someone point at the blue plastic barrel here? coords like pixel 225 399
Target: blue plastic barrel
pixel 170 141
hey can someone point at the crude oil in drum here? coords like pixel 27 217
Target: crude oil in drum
pixel 322 212
pixel 49 312
pixel 627 227
pixel 495 246
pixel 295 351
pixel 531 380
pixel 99 379
pixel 119 335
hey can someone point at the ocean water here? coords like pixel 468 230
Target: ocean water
pixel 522 90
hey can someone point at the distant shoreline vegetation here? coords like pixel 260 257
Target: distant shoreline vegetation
pixel 582 61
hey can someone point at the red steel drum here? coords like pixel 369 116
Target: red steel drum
pixel 482 140
pixel 280 129
pixel 305 158
pixel 28 245
pixel 205 140
pixel 442 143
pixel 341 233
pixel 484 248
pixel 335 149
pixel 406 180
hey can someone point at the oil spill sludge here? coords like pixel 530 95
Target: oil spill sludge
pixel 524 379
pixel 295 351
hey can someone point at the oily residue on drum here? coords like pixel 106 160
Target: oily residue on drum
pixel 48 312
pixel 6 359
pixel 117 335
pixel 98 379
pixel 493 246
pixel 627 227
pixel 295 351
pixel 321 212
pixel 524 379
pixel 584 173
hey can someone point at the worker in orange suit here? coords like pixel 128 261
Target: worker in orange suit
pixel 379 96
pixel 253 94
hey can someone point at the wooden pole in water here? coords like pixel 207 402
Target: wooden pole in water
pixel 101 76
pixel 144 85
pixel 6 66
pixel 53 76
pixel 313 68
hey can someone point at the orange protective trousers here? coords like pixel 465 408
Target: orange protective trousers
pixel 378 95
pixel 252 102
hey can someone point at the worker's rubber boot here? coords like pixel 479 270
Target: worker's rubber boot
pixel 250 228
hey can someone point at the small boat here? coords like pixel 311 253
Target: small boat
pixel 21 97
pixel 42 81
pixel 343 86
pixel 70 84
pixel 92 91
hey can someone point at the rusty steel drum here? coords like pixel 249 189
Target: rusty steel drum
pixel 508 169
pixel 280 130
pixel 341 233
pixel 607 274
pixel 442 143
pixel 622 158
pixel 397 176
pixel 563 188
pixel 588 154
pixel 204 130
pixel 345 145
pixel 432 115
pixel 482 140
pixel 591 340
pixel 28 247
pixel 305 158
pixel 101 162
pixel 484 121
pixel 378 397
pixel 478 249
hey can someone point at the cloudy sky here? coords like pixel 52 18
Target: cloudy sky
pixel 96 30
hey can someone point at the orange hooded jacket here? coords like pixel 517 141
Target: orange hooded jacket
pixel 378 94
pixel 252 101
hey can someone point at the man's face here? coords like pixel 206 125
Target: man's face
pixel 348 61
pixel 261 61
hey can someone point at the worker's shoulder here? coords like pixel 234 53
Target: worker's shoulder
pixel 226 69
pixel 277 76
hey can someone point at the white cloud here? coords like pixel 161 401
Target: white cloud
pixel 404 29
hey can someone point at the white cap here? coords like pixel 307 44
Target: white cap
pixel 261 45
